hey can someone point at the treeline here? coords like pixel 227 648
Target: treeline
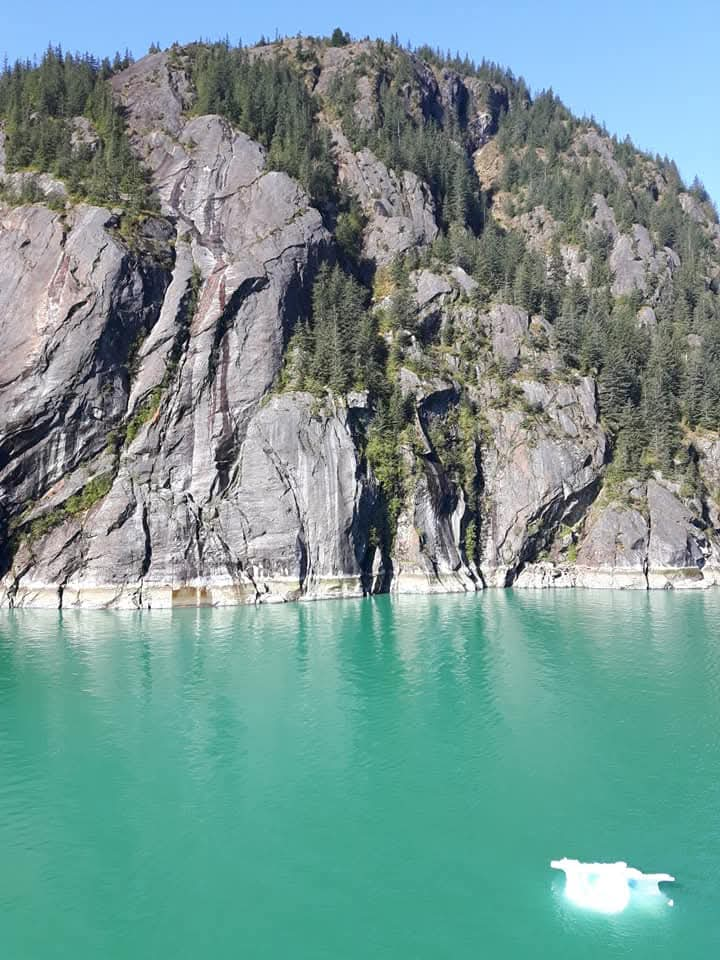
pixel 465 66
pixel 269 101
pixel 43 107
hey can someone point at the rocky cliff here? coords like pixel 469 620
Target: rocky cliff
pixel 163 442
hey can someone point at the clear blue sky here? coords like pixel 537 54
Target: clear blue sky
pixel 645 68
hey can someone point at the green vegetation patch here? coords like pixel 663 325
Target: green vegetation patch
pixel 76 505
pixel 267 99
pixel 60 118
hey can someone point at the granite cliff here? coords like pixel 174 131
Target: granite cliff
pixel 164 440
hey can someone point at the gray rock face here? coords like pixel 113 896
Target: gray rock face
pixel 708 449
pixel 508 328
pixel 293 522
pixel 298 504
pixel 601 147
pixel 709 463
pixel 72 303
pixel 399 208
pixel 613 550
pixel 464 281
pixel 427 556
pixel 577 266
pixel 604 217
pixel 430 288
pixel 616 539
pixel 44 186
pixel 84 133
pixel 702 214
pixel 658 543
pixel 635 262
pixel 153 94
pixel 678 547
pixel 256 240
pixel 427 553
pixel 539 226
pixel 538 472
pixel 339 62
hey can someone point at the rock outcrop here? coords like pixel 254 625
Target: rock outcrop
pixel 649 539
pixel 73 303
pixel 427 555
pixel 253 241
pixel 541 468
pixel 399 208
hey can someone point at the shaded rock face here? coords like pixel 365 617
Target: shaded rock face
pixel 485 104
pixel 428 553
pixel 427 556
pixel 72 303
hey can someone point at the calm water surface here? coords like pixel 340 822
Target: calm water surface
pixel 383 779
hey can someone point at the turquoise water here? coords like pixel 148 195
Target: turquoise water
pixel 384 779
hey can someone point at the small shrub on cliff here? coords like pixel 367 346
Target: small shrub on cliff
pixel 74 506
pixel 144 413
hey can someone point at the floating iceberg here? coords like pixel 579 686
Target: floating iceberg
pixel 608 887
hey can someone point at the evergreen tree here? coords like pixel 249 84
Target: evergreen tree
pixel 343 352
pixel 619 388
pixel 268 100
pixel 41 106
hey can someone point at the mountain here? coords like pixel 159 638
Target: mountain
pixel 327 318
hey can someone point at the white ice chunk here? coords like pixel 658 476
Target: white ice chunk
pixel 607 887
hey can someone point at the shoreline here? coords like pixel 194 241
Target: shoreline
pixel 226 592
